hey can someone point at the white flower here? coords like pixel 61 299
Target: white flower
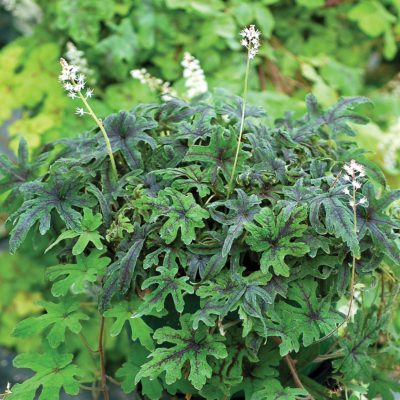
pixel 359 168
pixel 89 93
pixel 77 57
pixel 79 86
pixel 251 40
pixel 154 84
pixel 348 169
pixel 141 74
pixel 356 185
pixel 354 172
pixel 69 87
pixel 354 168
pixel 73 82
pixel 195 80
pixel 80 111
pixel 346 178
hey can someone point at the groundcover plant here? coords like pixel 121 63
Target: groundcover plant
pixel 204 252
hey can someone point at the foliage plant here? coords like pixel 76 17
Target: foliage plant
pixel 203 252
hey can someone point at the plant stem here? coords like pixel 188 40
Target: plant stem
pixel 292 366
pixel 330 356
pixel 290 363
pixel 382 300
pixel 103 383
pixel 246 77
pixel 86 344
pixel 353 266
pixel 103 131
pixel 114 381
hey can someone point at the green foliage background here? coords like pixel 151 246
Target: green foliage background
pixel 327 47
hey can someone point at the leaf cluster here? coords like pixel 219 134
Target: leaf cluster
pixel 214 291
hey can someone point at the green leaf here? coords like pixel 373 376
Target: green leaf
pixel 230 369
pixel 81 18
pixel 265 19
pixel 181 212
pixel 338 217
pixel 296 195
pixel 104 206
pixel 59 316
pixel 139 329
pixel 219 154
pixel 41 198
pixel 119 47
pixel 13 173
pixel 280 325
pixel 187 178
pixel 314 317
pixel 273 236
pixel 53 372
pixel 362 334
pixel 137 356
pixel 232 106
pixel 125 130
pixel 273 390
pixel 119 228
pixel 189 346
pixel 382 385
pixel 220 297
pixel 373 220
pixel 372 17
pixel 169 254
pixel 390 48
pixel 311 4
pixel 241 211
pixel 77 277
pixel 120 273
pixel 336 118
pixel 229 292
pixel 87 233
pixel 199 128
pixel 167 284
pixel 265 370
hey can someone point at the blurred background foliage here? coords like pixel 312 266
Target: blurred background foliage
pixel 332 48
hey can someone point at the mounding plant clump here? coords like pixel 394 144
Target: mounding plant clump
pixel 208 254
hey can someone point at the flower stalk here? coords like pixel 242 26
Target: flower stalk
pixel 74 83
pixel 102 130
pixel 353 173
pixel 250 40
pixel 246 77
pixel 353 169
